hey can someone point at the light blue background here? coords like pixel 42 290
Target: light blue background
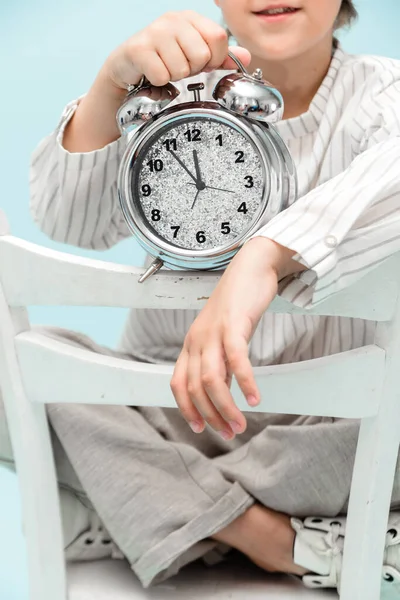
pixel 50 52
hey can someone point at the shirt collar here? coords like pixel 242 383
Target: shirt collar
pixel 309 121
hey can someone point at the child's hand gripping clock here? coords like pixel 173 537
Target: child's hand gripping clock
pixel 175 46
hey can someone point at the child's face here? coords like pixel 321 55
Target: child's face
pixel 280 37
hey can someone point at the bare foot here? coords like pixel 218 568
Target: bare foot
pixel 264 536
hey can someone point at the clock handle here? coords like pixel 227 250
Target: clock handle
pixel 257 75
pixel 153 268
pixel 238 63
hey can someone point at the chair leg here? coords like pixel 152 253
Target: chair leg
pixel 41 512
pixel 34 460
pixel 369 506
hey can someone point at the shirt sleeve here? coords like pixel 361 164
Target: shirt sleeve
pixel 73 196
pixel 350 224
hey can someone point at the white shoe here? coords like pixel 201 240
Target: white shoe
pixel 319 546
pixel 93 544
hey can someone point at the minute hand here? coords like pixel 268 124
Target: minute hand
pixel 210 187
pixel 184 166
pixel 197 166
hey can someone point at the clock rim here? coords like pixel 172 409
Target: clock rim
pixel 136 171
pixel 217 256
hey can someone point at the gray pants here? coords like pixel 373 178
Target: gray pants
pixel 162 490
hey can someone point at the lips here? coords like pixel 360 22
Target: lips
pixel 277 9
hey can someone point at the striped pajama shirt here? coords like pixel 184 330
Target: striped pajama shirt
pixel 345 221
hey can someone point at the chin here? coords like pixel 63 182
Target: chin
pixel 280 51
pixel 281 48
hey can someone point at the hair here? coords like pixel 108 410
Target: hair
pixel 347 15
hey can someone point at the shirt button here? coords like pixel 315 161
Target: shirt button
pixel 331 241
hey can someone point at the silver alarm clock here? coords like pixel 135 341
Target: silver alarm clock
pixel 198 179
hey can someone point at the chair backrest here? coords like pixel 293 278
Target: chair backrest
pixel 35 369
pixel 33 275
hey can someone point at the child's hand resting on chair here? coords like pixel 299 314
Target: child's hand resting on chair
pixel 216 346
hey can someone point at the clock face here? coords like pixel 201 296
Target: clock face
pixel 199 183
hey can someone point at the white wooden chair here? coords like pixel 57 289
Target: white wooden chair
pixel 35 370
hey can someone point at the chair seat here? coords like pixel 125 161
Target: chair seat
pixel 114 580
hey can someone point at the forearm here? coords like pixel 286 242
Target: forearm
pixel 94 125
pixel 343 228
pixel 275 257
pixel 74 195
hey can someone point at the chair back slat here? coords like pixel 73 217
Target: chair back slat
pixel 33 275
pixel 77 375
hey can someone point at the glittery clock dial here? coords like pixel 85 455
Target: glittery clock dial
pixel 199 182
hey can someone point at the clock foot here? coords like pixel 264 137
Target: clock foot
pixel 153 268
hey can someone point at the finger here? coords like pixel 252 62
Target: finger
pixel 150 64
pixel 213 377
pixel 229 375
pixel 236 348
pixel 214 35
pixel 241 53
pixel 228 380
pixel 173 58
pixel 195 48
pixel 201 400
pixel 179 389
